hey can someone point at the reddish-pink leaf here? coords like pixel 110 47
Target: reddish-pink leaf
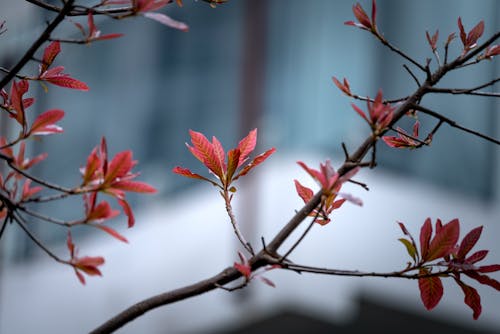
pixel 167 20
pixel 431 289
pixel 305 193
pixel 247 145
pixel 432 40
pixel 472 298
pixel 186 172
pixel 425 238
pixel 361 16
pixel 374 14
pixel 233 158
pixel 111 232
pixel 219 153
pixel 477 256
pixel 492 51
pixel 267 281
pixel 120 166
pixel 468 242
pixel 474 34
pixel 360 112
pixel 489 269
pixel 255 162
pixel 149 5
pixel 93 163
pixel 344 87
pixel 89 264
pixel 204 151
pixel 403 228
pixel 107 36
pixel 484 279
pixel 135 186
pixel 463 35
pixel 102 212
pixel 128 211
pixel 244 269
pixel 66 82
pixel 44 124
pixel 49 54
pixel 29 191
pixel 444 240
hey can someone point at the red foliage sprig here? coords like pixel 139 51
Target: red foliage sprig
pixel 454 258
pixel 330 183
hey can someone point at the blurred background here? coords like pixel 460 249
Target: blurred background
pixel 244 65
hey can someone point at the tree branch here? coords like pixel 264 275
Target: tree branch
pixel 38 43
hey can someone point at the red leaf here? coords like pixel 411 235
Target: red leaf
pixel 29 191
pixel 425 237
pixel 489 269
pixel 44 124
pixel 432 40
pixel 463 35
pixel 474 34
pixel 361 16
pixel 431 289
pixel 187 173
pixel 305 193
pixel 247 145
pixel 255 162
pixel 66 82
pixel 203 150
pixel 484 279
pixel 111 232
pixel 477 256
pixel 472 298
pixel 267 281
pixel 344 87
pixel 468 242
pixel 49 54
pixel 492 51
pixel 128 211
pixel 119 167
pixel 444 240
pixel 135 186
pixel 102 212
pixel 167 20
pixel 219 153
pixel 93 164
pixel 403 228
pixel 360 112
pixel 233 158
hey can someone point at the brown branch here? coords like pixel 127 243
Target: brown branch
pixel 269 254
pixel 82 11
pixel 37 44
pixel 227 275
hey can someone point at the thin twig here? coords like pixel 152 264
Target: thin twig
pixel 37 44
pixel 399 52
pixel 299 240
pixel 412 74
pixel 357 273
pixel 454 124
pixel 46 218
pixel 43 182
pixel 234 223
pixel 20 221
